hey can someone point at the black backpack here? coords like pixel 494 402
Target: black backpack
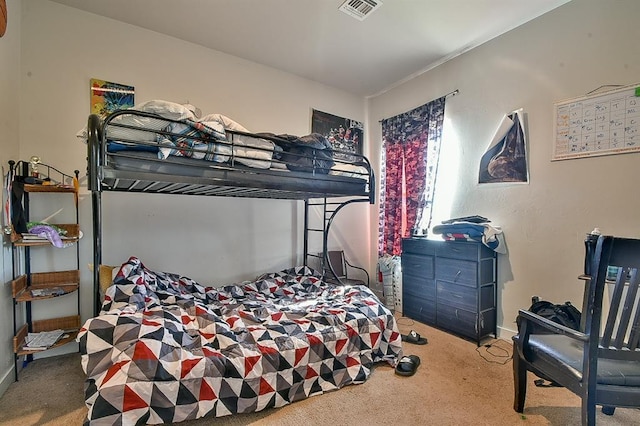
pixel 565 314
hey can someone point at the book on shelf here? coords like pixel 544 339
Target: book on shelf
pixel 32 237
pixel 37 237
pixel 50 291
pixel 42 340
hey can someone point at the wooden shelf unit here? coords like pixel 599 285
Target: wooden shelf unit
pixel 25 282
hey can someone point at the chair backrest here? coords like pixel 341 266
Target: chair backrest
pixel 337 262
pixel 615 268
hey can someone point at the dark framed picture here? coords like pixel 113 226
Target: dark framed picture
pixel 346 135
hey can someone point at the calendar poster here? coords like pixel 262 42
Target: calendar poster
pixel 602 124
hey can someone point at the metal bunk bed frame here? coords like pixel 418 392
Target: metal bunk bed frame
pixel 127 181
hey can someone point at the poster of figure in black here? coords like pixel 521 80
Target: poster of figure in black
pixel 345 135
pixel 506 158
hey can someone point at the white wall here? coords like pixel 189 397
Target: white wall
pixel 9 137
pixel 213 240
pixel 230 239
pixel 563 54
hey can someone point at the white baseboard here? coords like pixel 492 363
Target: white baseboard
pixel 505 333
pixel 7 378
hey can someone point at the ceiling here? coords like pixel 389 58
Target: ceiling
pixel 314 40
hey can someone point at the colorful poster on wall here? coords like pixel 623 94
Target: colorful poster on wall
pixel 107 97
pixel 506 158
pixel 344 134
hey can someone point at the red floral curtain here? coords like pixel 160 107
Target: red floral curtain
pixel 411 143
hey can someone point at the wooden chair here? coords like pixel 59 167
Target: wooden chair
pixel 337 269
pixel 601 364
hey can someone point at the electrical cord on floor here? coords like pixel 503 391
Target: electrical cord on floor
pixel 405 321
pixel 500 354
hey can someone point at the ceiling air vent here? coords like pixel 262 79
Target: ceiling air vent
pixel 360 9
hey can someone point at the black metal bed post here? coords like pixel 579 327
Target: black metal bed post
pixel 96 204
pixel 305 252
pixel 325 241
pixel 93 183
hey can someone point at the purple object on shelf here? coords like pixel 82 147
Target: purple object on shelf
pixel 49 233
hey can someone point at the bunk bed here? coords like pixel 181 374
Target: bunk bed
pixel 163 348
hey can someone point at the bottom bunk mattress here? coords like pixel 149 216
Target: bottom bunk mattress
pixel 166 349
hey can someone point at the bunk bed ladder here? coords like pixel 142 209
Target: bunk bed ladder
pixel 329 211
pixel 308 228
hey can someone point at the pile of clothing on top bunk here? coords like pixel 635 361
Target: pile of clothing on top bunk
pixel 207 137
pixel 472 228
pixel 297 152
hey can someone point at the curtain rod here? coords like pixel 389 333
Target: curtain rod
pixel 452 93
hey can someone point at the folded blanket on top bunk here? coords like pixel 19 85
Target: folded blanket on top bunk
pixel 192 139
pixel 165 348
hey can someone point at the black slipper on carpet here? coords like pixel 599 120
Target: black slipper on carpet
pixel 408 365
pixel 414 338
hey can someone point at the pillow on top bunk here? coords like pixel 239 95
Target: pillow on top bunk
pixel 226 122
pixel 259 157
pixel 165 109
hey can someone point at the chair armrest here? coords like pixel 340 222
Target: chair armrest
pixel 549 325
pixel 358 267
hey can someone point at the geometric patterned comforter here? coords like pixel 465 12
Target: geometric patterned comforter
pixel 166 349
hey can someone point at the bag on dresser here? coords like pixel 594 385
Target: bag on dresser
pixel 565 314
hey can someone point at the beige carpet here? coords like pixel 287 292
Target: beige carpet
pixel 457 383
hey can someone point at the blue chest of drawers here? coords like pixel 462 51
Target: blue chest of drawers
pixel 450 285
